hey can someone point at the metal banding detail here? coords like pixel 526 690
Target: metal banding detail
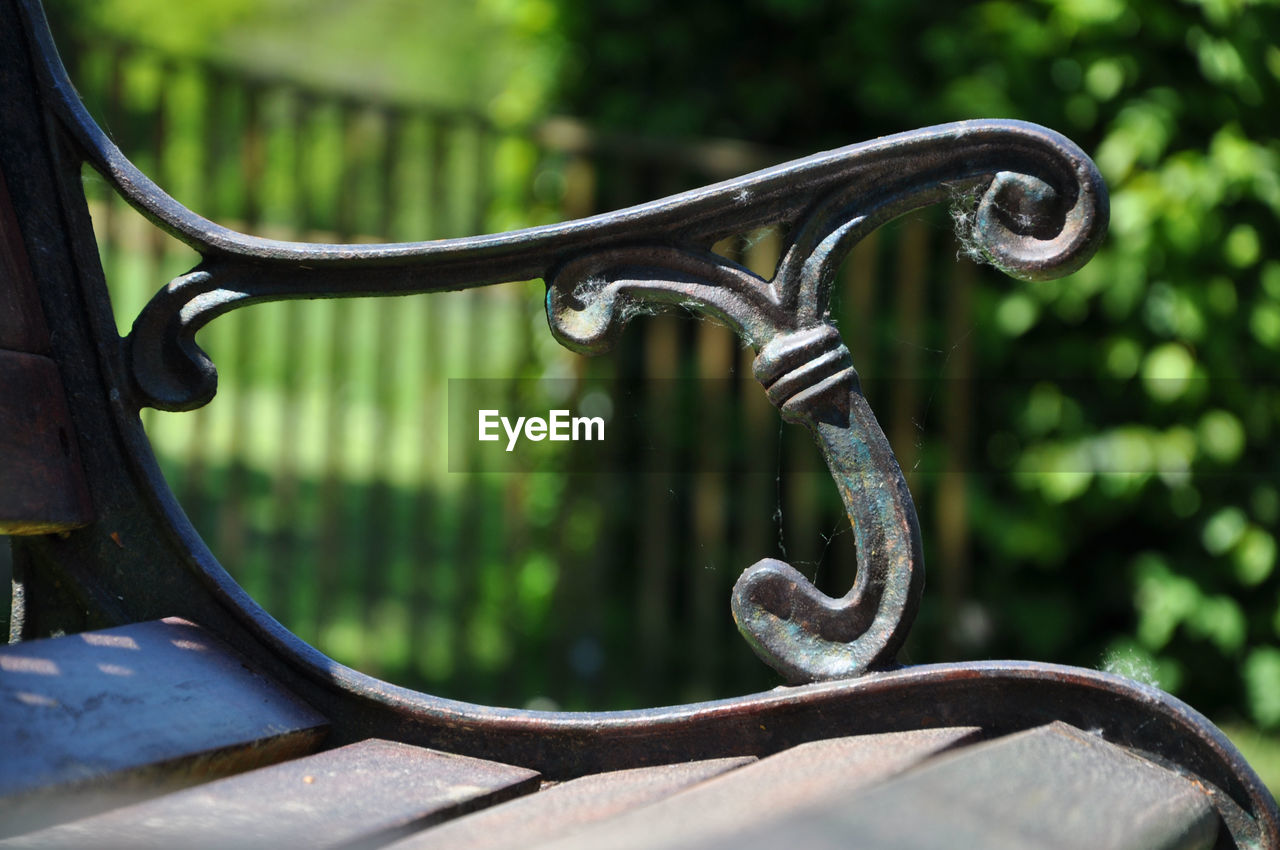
pixel 795 368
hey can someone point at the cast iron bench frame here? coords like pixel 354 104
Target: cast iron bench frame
pixel 106 543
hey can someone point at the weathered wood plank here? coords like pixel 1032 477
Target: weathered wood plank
pixel 43 485
pixel 1052 787
pixel 561 809
pixel 90 720
pixel 717 810
pixel 362 794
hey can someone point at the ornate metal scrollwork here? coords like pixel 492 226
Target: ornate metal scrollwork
pixel 1034 224
pixel 1038 210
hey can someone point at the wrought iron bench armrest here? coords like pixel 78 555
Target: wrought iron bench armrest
pixel 1033 204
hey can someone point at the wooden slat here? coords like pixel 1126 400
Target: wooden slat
pixel 717 810
pixel 135 710
pixel 564 808
pixel 43 487
pixel 365 794
pixel 1052 787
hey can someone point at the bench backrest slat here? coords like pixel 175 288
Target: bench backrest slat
pixel 44 488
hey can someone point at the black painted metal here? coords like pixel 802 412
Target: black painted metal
pixel 1036 207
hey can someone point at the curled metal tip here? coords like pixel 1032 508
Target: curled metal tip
pixel 591 299
pixel 1032 230
pixel 169 370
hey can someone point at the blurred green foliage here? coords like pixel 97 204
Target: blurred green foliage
pixel 1133 407
pixel 497 56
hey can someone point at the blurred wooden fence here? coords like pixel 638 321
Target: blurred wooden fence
pixel 319 476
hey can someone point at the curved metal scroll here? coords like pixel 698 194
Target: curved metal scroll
pixel 1040 210
pixel 1033 225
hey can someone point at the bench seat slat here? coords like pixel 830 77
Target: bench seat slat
pixel 770 788
pixel 571 805
pixel 90 720
pixel 1054 787
pixel 364 794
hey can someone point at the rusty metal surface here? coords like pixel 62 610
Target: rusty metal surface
pixel 632 258
pixel 770 789
pixel 362 794
pixel 568 807
pixel 1055 788
pixel 89 719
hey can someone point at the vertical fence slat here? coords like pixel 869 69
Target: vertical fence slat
pixel 233 541
pixel 951 500
pixel 683 540
pixel 292 595
pixel 331 538
pixel 378 525
pixel 426 610
pixel 904 404
pixel 469 543
pixel 437 190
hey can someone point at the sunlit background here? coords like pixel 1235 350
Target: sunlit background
pixel 1094 459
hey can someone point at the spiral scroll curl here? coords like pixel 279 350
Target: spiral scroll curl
pixel 170 370
pixel 591 299
pixel 1041 219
